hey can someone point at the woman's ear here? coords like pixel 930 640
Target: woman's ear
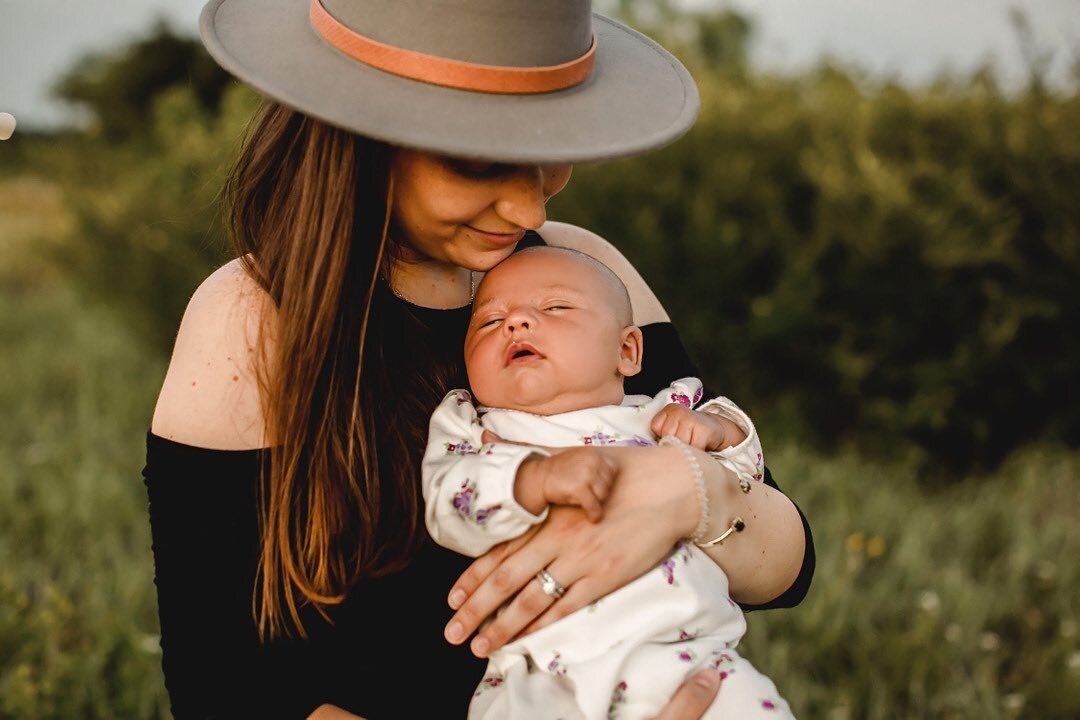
pixel 630 351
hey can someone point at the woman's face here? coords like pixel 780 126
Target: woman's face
pixel 468 213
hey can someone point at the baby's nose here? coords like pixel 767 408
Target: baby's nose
pixel 520 319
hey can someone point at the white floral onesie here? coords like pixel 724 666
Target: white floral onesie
pixel 624 655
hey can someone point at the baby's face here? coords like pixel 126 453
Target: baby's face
pixel 545 336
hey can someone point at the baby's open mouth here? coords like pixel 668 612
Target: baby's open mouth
pixel 520 351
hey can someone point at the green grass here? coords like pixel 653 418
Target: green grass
pixel 77 608
pixel 932 602
pixel 956 601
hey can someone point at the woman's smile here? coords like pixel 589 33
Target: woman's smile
pixel 500 240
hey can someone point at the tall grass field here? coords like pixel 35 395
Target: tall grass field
pixel 931 600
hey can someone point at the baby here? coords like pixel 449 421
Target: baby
pixel 550 340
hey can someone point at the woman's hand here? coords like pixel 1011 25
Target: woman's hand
pixel 643 519
pixel 653 504
pixel 693 697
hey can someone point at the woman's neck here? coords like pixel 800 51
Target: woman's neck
pixel 428 283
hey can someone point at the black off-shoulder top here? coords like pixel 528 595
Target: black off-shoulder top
pixel 386 636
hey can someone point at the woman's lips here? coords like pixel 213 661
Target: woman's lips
pixel 498 239
pixel 521 352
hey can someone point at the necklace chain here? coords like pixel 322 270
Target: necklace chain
pixel 472 288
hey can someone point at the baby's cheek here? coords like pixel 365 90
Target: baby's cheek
pixel 482 376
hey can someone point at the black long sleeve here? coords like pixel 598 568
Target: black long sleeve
pixel 204 529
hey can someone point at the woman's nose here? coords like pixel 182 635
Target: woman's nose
pixel 521 198
pixel 525 193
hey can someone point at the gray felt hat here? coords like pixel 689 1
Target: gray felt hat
pixel 556 81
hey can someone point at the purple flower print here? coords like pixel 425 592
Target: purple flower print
pixel 636 441
pixel 697 395
pixel 489 682
pixel 483 514
pixel 757 464
pixel 464 502
pixel 618 697
pixel 557 666
pixel 678 397
pixel 668 567
pixel 462 396
pixel 724 665
pixel 684 635
pixel 464 447
pixel 687 656
pixel 599 437
pixel 463 499
pixel 767 704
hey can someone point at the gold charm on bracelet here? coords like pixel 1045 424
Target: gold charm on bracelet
pixel 737 526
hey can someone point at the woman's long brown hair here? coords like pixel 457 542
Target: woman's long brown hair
pixel 308 207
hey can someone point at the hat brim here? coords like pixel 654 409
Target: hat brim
pixel 638 98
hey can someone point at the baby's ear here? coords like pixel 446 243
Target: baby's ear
pixel 630 351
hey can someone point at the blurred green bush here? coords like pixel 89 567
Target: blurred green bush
pixel 857 264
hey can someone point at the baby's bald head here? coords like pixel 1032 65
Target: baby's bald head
pixel 551 331
pixel 618 298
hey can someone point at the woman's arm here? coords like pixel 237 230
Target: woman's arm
pixel 764 559
pixel 642 521
pixel 201 476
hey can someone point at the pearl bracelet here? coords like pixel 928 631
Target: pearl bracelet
pixel 698 536
pixel 699 483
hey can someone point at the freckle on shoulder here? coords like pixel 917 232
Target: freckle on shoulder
pixel 222 319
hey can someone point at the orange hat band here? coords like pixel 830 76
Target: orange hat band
pixel 451 73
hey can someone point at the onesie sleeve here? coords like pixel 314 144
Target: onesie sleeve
pixel 468 486
pixel 744 459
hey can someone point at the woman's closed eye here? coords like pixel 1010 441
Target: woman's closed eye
pixel 479 170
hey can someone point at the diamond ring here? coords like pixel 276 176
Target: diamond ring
pixel 550 585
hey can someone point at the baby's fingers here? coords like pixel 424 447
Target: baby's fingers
pixel 601 488
pixel 660 423
pixel 671 421
pixel 592 505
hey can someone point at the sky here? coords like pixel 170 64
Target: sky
pixel 911 40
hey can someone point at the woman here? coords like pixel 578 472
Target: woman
pixel 294 575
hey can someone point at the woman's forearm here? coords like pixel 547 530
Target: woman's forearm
pixel 764 559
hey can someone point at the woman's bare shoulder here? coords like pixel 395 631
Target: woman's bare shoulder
pixel 210 397
pixel 647 308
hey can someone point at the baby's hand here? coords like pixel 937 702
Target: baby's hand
pixel 700 430
pixel 576 476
